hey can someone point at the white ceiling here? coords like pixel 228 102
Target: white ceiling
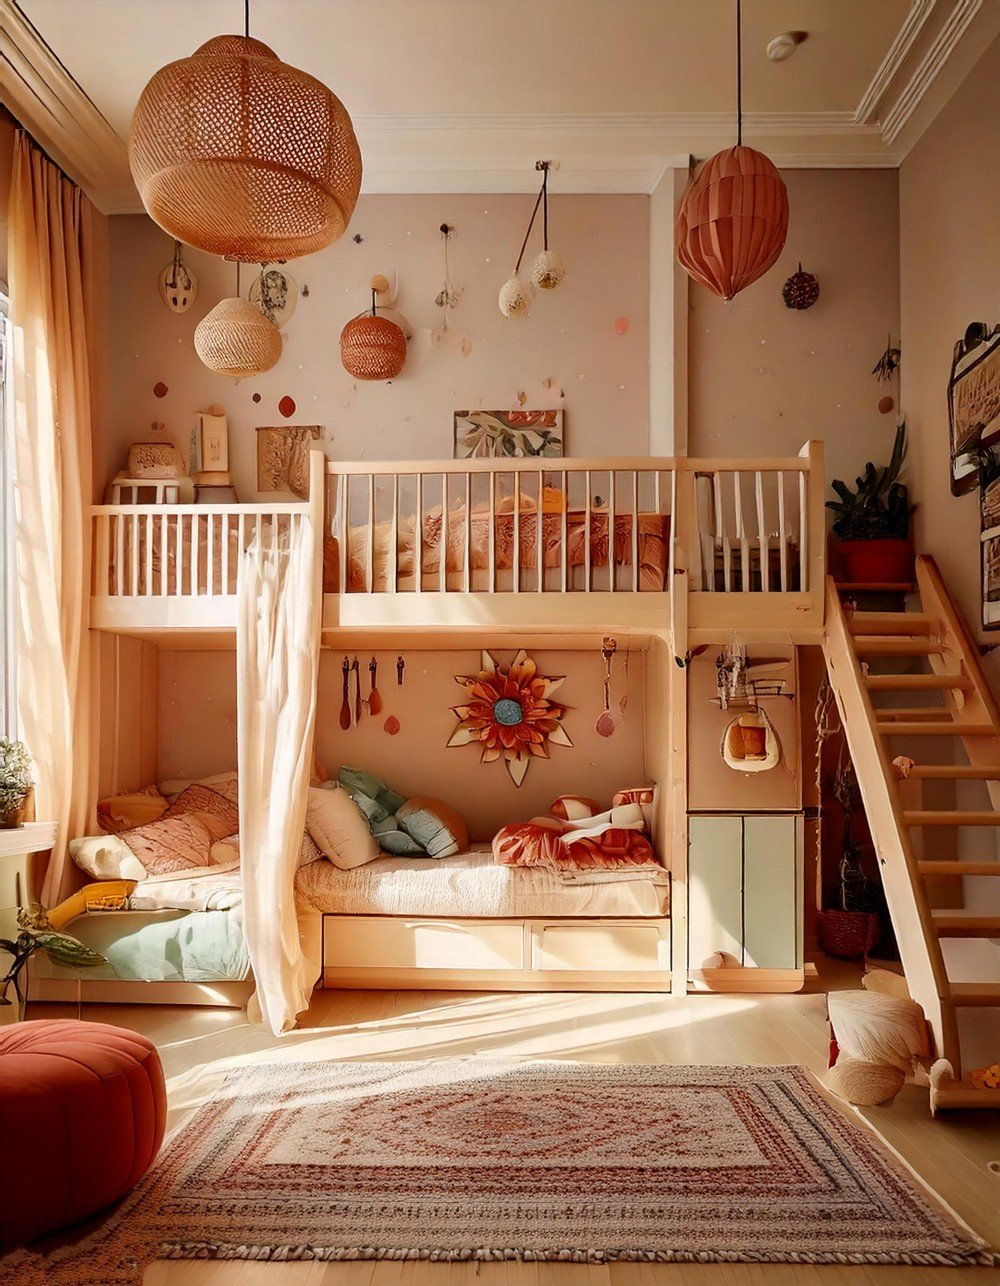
pixel 462 95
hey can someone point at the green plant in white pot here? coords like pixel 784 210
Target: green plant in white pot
pixel 15 782
pixel 873 523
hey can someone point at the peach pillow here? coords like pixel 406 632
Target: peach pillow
pixel 171 844
pixel 219 813
pixel 121 812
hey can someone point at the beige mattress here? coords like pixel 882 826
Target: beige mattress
pixel 472 886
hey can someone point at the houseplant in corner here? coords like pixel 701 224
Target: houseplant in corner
pixel 15 782
pixel 873 524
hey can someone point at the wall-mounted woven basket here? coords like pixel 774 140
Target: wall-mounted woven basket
pixel 239 154
pixel 372 348
pixel 236 339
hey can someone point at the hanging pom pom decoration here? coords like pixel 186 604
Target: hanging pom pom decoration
pixel 733 218
pixel 548 270
pixel 372 347
pixel 236 339
pixel 801 290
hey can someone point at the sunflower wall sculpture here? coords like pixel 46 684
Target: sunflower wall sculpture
pixel 510 714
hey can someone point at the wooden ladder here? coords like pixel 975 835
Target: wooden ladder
pixel 856 642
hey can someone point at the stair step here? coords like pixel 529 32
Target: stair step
pixel 873 587
pixel 877 623
pixel 914 712
pixel 962 1094
pixel 970 772
pixel 917 682
pixel 969 994
pixel 955 866
pixel 942 817
pixel 945 728
pixel 966 926
pixel 875 646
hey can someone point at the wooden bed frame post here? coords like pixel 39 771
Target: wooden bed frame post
pixel 684 525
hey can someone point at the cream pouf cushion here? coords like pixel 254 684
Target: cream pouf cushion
pixel 865 1084
pixel 888 1030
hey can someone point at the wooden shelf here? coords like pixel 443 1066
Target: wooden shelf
pixel 32 837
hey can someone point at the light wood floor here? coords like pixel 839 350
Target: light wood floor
pixel 199 1046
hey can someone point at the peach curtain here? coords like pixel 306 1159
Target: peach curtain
pixel 50 264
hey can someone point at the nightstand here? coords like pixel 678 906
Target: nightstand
pixel 17 883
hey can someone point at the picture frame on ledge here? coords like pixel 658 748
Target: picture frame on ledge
pixel 973 403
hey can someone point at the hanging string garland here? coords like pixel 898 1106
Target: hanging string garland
pixel 548 270
pixel 242 155
pixel 372 347
pixel 733 218
pixel 236 339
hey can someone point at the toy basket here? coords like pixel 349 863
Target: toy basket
pixel 848 935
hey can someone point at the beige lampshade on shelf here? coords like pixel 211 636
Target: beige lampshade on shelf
pixel 236 339
pixel 239 154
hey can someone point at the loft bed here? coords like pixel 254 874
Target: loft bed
pixel 679 547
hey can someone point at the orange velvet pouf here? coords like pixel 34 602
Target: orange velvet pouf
pixel 82 1112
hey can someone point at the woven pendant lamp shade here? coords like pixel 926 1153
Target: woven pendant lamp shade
pixel 236 339
pixel 732 221
pixel 372 348
pixel 239 154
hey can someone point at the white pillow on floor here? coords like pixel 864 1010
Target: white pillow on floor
pixel 339 828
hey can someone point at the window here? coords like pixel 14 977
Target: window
pixel 8 598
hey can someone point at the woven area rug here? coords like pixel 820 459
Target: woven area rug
pixel 482 1159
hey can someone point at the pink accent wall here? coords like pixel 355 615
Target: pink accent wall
pixel 197 729
pixel 598 376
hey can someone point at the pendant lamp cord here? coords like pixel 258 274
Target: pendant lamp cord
pixel 374 310
pixel 545 208
pixel 531 224
pixel 246 18
pixel 238 296
pixel 739 73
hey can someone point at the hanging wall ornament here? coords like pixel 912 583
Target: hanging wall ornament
pixel 178 284
pixel 372 347
pixel 448 298
pixel 240 154
pixel 236 339
pixel 275 293
pixel 733 218
pixel 548 270
pixel 509 714
pixel 801 290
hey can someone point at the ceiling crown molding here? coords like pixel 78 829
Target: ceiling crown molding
pixel 39 91
pixel 928 68
pixel 913 24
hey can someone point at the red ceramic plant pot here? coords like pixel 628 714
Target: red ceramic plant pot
pixel 875 562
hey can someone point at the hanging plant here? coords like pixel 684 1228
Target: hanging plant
pixel 801 290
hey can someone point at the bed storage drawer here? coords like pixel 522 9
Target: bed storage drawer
pixel 626 947
pixel 382 942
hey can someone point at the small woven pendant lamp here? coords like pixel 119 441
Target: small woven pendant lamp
pixel 242 155
pixel 733 218
pixel 372 347
pixel 236 339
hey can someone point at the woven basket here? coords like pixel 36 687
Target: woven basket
pixel 372 348
pixel 236 339
pixel 732 221
pixel 239 154
pixel 848 935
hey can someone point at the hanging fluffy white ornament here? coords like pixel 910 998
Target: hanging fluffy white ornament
pixel 548 270
pixel 515 298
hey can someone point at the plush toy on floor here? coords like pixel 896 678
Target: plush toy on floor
pixel 877 1036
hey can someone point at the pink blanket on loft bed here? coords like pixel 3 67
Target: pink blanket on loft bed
pixel 651 540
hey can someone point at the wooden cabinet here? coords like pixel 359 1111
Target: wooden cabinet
pixel 745 901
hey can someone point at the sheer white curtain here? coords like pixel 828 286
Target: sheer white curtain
pixel 277 660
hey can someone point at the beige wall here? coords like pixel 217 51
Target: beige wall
pixel 949 214
pixel 762 377
pixel 569 338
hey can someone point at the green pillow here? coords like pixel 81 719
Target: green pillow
pixel 438 829
pixel 353 779
pixel 392 840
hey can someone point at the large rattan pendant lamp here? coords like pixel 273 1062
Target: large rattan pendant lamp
pixel 733 218
pixel 242 155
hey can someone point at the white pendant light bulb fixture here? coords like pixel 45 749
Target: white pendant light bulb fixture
pixel 548 270
pixel 516 294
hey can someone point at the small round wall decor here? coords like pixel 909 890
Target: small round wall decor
pixel 510 714
pixel 801 290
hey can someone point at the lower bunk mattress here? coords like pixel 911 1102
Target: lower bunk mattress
pixel 471 885
pixel 158 946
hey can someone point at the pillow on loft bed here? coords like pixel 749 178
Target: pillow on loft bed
pixel 418 827
pixel 226 783
pixel 384 800
pixel 438 829
pixel 216 810
pixel 339 828
pixel 170 844
pixel 117 813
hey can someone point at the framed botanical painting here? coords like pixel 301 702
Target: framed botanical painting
pixel 990 544
pixel 483 435
pixel 973 403
pixel 283 457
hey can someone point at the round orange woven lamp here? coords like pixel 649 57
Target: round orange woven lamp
pixel 240 154
pixel 236 339
pixel 732 221
pixel 372 347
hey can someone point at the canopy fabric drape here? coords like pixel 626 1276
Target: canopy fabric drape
pixel 277 664
pixel 51 261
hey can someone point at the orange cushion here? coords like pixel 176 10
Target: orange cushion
pixel 82 1108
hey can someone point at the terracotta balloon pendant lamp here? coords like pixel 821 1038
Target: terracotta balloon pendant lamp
pixel 242 155
pixel 372 347
pixel 733 218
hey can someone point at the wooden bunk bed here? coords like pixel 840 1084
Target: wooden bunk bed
pixel 667 552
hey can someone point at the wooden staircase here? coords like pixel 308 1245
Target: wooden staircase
pixel 862 649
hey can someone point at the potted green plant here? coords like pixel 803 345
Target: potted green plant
pixel 37 934
pixel 873 523
pixel 15 782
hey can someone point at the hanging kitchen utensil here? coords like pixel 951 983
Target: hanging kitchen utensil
pixel 356 670
pixel 605 724
pixel 400 665
pixel 345 705
pixel 374 700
